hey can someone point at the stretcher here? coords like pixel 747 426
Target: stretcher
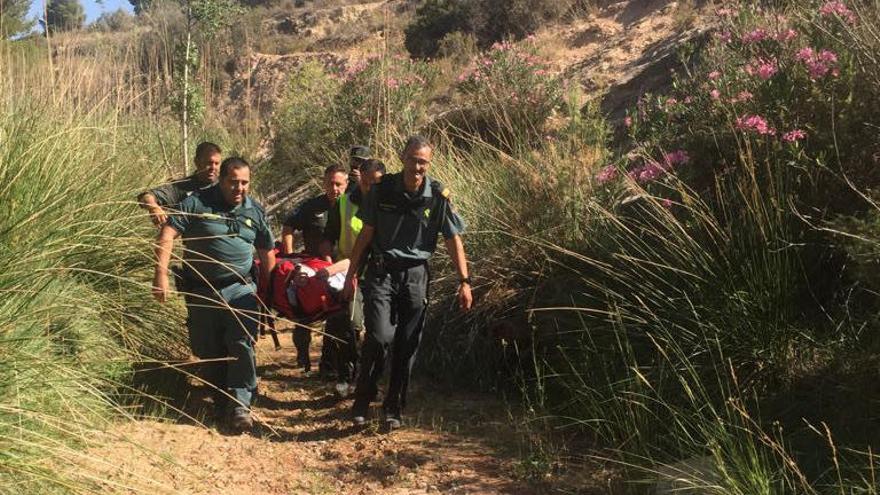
pixel 302 304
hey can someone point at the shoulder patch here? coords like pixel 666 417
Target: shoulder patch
pixel 445 192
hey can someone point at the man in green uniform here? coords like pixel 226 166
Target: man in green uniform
pixel 167 196
pixel 342 229
pixel 220 227
pixel 402 217
pixel 310 218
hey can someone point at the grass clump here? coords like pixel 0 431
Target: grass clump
pixel 74 270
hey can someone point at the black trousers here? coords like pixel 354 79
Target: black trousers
pixel 340 345
pixel 395 304
pixel 302 338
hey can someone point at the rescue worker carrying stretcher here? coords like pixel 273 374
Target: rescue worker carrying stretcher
pixel 402 217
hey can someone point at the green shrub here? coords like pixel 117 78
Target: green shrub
pixel 118 20
pixel 435 19
pixel 507 94
pixel 327 111
pixel 490 21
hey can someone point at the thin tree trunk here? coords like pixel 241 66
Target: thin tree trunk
pixel 49 49
pixel 184 114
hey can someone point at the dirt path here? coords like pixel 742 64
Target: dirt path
pixel 305 444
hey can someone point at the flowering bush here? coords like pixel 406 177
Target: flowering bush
pixel 381 94
pixel 508 93
pixel 781 85
pixel 327 109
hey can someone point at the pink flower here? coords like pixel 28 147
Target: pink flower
pixel 794 136
pixel 839 9
pixel 671 102
pixel 628 121
pixel 650 172
pixel 715 94
pixel 714 75
pixel 827 56
pixel 392 83
pixel 767 68
pixel 755 123
pixel 666 203
pixel 755 36
pixel 742 97
pixel 724 36
pixel 675 158
pixel 787 35
pixel 607 174
pixel 818 64
pixel 804 54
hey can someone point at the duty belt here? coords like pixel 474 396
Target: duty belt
pixel 189 281
pixel 389 264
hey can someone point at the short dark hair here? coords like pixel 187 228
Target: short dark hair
pixel 206 149
pixel 334 169
pixel 232 163
pixel 416 141
pixel 373 165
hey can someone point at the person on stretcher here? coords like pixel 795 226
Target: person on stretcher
pixel 309 287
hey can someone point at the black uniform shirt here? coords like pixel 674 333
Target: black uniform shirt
pixel 310 217
pixel 407 224
pixel 174 192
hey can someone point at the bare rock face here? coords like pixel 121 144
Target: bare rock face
pixel 260 80
pixel 651 72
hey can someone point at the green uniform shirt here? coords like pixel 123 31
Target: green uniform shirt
pixel 407 224
pixel 219 238
pixel 173 193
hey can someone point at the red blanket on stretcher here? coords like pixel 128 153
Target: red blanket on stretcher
pixel 313 300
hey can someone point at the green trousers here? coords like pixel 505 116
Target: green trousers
pixel 223 324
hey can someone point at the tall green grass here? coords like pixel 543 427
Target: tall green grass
pixel 75 259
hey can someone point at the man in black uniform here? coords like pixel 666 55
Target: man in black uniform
pixel 402 217
pixel 342 229
pixel 310 218
pixel 357 156
pixel 157 201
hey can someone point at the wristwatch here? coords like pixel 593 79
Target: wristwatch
pixel 465 280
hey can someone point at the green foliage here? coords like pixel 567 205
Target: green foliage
pixel 65 15
pixel 305 122
pixel 372 101
pixel 508 93
pixel 75 261
pixel 13 18
pixel 516 19
pixel 141 6
pixel 185 94
pixel 118 20
pixel 435 19
pixel 212 16
pixel 491 21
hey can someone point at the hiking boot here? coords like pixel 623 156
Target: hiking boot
pixel 305 362
pixel 241 420
pixel 393 423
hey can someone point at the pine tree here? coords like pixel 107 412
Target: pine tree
pixel 13 18
pixel 65 15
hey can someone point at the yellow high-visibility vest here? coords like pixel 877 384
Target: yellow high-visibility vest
pixel 349 226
